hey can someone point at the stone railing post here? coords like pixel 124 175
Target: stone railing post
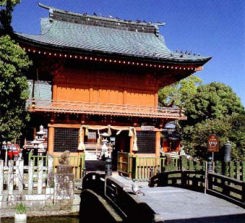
pixel 40 176
pixel 1 182
pixel 30 176
pixel 20 175
pixel 50 174
pixel 11 177
pixel 1 177
pixel 50 164
pixel 10 180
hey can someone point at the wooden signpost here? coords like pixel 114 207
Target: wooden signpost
pixel 213 143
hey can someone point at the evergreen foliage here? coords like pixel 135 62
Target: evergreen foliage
pixel 210 109
pixel 6 9
pixel 13 84
pixel 176 94
pixel 13 88
pixel 211 101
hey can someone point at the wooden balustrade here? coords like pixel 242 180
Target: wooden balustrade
pixel 105 109
pixel 227 188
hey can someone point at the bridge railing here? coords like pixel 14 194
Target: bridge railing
pixel 227 188
pixel 222 186
pixel 190 179
pixel 122 199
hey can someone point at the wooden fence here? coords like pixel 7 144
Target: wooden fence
pixel 233 169
pixel 143 168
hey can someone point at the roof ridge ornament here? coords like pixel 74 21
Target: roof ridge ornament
pixel 96 20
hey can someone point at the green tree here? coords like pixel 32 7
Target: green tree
pixel 211 101
pixel 214 109
pixel 7 7
pixel 13 84
pixel 13 88
pixel 176 94
pixel 237 135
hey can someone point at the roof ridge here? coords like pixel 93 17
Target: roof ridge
pixel 95 20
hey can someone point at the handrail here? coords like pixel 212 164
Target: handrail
pixel 189 179
pixel 218 185
pixel 105 109
pixel 228 188
pixel 128 205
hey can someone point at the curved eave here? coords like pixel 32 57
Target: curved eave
pixel 71 50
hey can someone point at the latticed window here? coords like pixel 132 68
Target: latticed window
pixel 66 139
pixel 146 141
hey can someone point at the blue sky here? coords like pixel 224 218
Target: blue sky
pixel 213 28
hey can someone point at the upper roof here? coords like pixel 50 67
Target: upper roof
pixel 92 33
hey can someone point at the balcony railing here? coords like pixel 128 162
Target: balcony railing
pixel 36 105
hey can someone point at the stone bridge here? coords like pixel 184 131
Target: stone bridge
pixel 119 199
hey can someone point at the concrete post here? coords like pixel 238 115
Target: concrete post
pixel 11 177
pixel 30 177
pixel 11 181
pixel 1 182
pixel 6 158
pixel 20 177
pixel 50 173
pixel 40 177
pixel 1 176
pixel 50 164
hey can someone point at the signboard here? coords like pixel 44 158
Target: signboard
pixel 213 143
pixel 147 128
pixel 92 135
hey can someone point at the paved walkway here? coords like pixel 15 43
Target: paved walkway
pixel 174 204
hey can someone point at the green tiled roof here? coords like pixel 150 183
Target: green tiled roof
pixel 82 32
